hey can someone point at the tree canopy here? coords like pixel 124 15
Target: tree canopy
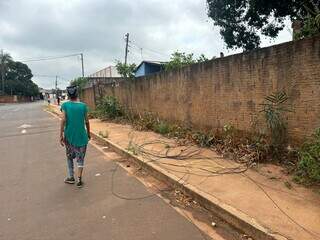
pixel 242 22
pixel 80 82
pixel 181 59
pixel 17 78
pixel 126 70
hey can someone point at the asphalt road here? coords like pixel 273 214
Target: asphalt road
pixel 35 203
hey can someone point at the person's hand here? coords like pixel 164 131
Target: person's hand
pixel 62 141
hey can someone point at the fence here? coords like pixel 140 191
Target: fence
pixel 229 90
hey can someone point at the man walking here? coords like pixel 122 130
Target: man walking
pixel 74 134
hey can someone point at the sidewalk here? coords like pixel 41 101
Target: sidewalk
pixel 262 198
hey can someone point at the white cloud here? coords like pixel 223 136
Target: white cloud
pixel 37 28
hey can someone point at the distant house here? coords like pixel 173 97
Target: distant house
pixel 107 72
pixel 106 75
pixel 149 67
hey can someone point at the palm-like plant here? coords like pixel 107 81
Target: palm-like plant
pixel 273 109
pixel 5 58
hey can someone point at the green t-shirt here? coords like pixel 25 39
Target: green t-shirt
pixel 75 131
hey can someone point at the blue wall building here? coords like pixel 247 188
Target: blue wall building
pixel 148 67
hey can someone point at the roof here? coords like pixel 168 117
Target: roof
pixel 110 71
pixel 152 63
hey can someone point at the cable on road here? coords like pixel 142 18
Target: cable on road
pixel 187 154
pixel 134 198
pixel 149 196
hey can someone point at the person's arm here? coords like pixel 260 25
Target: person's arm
pixel 62 124
pixel 88 126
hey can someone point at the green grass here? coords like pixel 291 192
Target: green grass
pixel 308 170
pixel 162 128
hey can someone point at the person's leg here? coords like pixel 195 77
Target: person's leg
pixel 80 155
pixel 70 166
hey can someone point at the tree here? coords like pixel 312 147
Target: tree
pixel 80 82
pixel 181 59
pixel 242 22
pixel 18 77
pixel 310 27
pixel 5 58
pixel 126 70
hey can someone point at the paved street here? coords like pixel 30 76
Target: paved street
pixel 35 204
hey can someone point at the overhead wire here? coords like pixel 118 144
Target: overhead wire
pixel 50 58
pixel 148 49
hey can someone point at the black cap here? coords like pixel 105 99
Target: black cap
pixel 72 91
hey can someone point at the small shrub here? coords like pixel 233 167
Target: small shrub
pixel 179 132
pixel 132 148
pixel 109 108
pixel 92 114
pixel 145 121
pixel 162 128
pixel 203 139
pixel 308 171
pixel 104 134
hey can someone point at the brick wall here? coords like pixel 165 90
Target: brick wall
pixel 13 99
pixel 88 97
pixel 230 90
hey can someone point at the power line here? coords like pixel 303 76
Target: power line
pixel 58 57
pixel 46 76
pixel 50 76
pixel 148 49
pixel 56 77
pixel 136 53
pixel 51 58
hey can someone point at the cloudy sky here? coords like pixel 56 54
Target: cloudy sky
pixel 32 29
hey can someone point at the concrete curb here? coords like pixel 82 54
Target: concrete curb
pixel 232 216
pixel 237 219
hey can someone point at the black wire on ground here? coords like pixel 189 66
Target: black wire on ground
pixel 149 196
pixel 314 235
pixel 135 198
pixel 153 156
pixel 185 154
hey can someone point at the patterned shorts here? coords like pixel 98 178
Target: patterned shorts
pixel 77 153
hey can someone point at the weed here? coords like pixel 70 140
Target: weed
pixel 179 132
pixel 145 121
pixel 162 128
pixel 93 114
pixel 132 148
pixel 308 171
pixel 241 146
pixel 104 134
pixel 109 108
pixel 203 139
pixel 228 129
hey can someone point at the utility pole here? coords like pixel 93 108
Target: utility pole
pixel 81 55
pixel 2 72
pixel 56 87
pixel 127 45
